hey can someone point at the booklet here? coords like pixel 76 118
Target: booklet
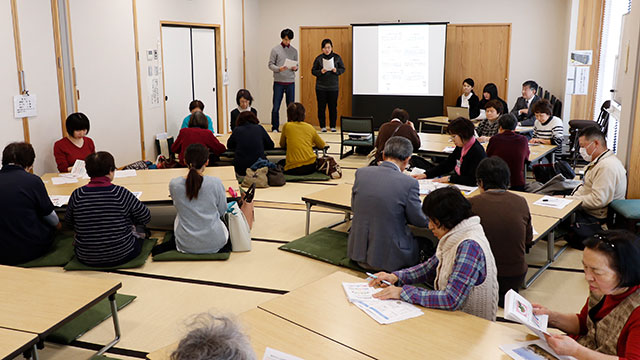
pixel 59 200
pixel 78 170
pixel 328 65
pixel 290 63
pixel 382 311
pixel 532 350
pixel 518 309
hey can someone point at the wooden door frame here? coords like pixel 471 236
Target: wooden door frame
pixel 348 27
pixel 506 78
pixel 20 68
pixel 219 73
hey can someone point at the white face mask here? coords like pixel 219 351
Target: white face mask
pixel 585 155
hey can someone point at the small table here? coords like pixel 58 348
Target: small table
pixel 13 343
pixel 323 308
pixel 40 302
pixel 442 121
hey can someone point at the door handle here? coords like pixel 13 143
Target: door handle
pixel 166 98
pixel 214 89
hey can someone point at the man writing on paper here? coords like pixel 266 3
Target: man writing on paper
pixel 384 201
pixel 283 61
pixel 605 180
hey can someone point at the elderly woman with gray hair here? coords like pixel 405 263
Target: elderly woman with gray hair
pixel 214 338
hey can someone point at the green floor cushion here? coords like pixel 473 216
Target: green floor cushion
pixel 628 208
pixel 175 255
pixel 147 245
pixel 87 320
pixel 325 245
pixel 60 254
pixel 316 176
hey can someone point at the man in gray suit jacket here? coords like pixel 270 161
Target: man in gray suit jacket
pixel 384 201
pixel 522 109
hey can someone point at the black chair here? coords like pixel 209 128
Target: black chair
pixel 540 91
pixel 362 126
pixel 546 95
pixel 557 108
pixel 576 125
pixel 553 100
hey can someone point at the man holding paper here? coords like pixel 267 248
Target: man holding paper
pixel 326 68
pixel 283 61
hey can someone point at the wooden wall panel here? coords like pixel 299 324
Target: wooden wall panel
pixel 633 172
pixel 478 51
pixel 589 36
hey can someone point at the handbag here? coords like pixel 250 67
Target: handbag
pixel 275 177
pixel 328 166
pixel 239 231
pixel 258 177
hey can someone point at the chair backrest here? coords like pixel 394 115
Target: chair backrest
pixel 547 95
pixel 553 99
pixel 356 124
pixel 540 91
pixel 557 108
pixel 603 118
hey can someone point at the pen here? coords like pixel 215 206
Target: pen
pixel 375 277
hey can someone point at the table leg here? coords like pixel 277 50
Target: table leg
pixel 551 257
pixel 116 325
pixel 308 220
pixel 419 126
pixel 34 352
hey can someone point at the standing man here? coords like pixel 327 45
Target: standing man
pixel 284 78
pixel 522 109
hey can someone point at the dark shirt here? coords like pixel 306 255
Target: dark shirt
pixel 329 80
pixel 468 168
pixel 506 221
pixel 24 235
pixel 249 141
pixel 514 150
pixel 528 118
pixel 474 105
pixel 395 128
pixel 234 116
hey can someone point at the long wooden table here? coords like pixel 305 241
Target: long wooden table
pixel 322 307
pixel 39 302
pixel 267 330
pixel 443 122
pixel 154 184
pixel 544 219
pixel 13 343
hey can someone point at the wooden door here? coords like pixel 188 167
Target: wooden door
pixel 310 47
pixel 480 52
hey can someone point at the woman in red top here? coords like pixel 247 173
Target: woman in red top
pixel 197 133
pixel 76 145
pixel 608 327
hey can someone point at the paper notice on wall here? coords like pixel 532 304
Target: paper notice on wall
pixel 578 80
pixel 155 96
pixel 25 106
pixel 581 57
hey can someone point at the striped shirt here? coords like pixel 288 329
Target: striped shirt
pixel 103 216
pixel 552 130
pixel 469 270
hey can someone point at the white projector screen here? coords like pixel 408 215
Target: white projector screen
pixel 399 59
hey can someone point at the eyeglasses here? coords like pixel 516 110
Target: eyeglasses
pixel 605 239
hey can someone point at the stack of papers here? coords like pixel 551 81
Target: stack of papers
pixel 553 202
pixel 448 149
pixel 63 180
pixel 78 170
pixel 382 311
pixel 360 136
pixel 124 173
pixel 467 190
pixel 59 200
pixel 327 65
pixel 532 350
pixel 427 186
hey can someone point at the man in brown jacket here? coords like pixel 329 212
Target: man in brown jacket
pixel 398 126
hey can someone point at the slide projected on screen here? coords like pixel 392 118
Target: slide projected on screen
pixel 399 59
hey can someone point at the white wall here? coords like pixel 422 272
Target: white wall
pixel 150 13
pixel 538 39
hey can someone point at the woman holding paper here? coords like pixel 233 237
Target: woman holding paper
pixel 608 326
pixel 462 271
pixel 326 68
pixel 76 145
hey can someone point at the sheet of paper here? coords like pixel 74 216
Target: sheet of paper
pixel 467 190
pixel 553 202
pixel 290 63
pixel 417 171
pixel 448 149
pixel 519 309
pixel 78 169
pixel 59 200
pixel 328 64
pixel 532 350
pixel 137 194
pixel 359 291
pixel 388 311
pixel 125 173
pixel 58 180
pixel 427 186
pixel 272 354
pixel 534 231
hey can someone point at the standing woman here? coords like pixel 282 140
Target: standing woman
pixel 327 84
pixel 76 145
pixel 468 99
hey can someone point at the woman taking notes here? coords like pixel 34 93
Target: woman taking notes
pixel 608 326
pixel 76 145
pixel 464 159
pixel 463 271
pixel 200 202
pixel 326 68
